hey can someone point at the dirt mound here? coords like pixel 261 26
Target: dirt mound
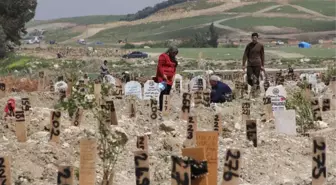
pixel 19 84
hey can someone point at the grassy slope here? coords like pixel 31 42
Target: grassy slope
pixel 60 35
pixel 247 23
pixel 198 5
pixel 180 28
pixel 253 7
pixel 285 9
pixel 322 6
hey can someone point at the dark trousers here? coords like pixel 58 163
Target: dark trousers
pixel 252 71
pixel 164 92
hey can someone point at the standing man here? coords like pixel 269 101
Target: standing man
pixel 255 57
pixel 103 69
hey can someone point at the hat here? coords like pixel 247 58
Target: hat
pixel 215 78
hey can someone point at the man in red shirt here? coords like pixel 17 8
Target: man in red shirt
pixel 166 70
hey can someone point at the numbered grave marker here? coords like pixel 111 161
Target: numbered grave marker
pixel 109 114
pixel 178 86
pixel 185 110
pixel 55 126
pixel 316 110
pixel 319 169
pixel 5 171
pixel 2 90
pixel 154 109
pixel 197 153
pixel 166 105
pixel 142 174
pixel 218 127
pixel 251 131
pixel 132 109
pixel 41 81
pixel 25 104
pixel 266 85
pixel 119 91
pixel 325 104
pixel 206 98
pixel 181 172
pixel 65 175
pixel 20 126
pixel 191 131
pixel 268 108
pixel 246 111
pixel 51 86
pixel 78 117
pixel 142 142
pixel 198 97
pixel 87 166
pixel 231 167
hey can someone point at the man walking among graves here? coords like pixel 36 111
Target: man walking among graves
pixel 166 70
pixel 220 91
pixel 255 57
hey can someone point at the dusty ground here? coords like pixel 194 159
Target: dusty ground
pixel 278 159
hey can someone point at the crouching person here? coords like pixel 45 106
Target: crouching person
pixel 220 92
pixel 9 109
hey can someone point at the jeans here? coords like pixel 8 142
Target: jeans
pixel 253 71
pixel 166 91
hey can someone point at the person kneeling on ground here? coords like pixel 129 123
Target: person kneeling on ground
pixel 9 109
pixel 219 90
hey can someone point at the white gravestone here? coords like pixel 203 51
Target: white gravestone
pixel 194 84
pixel 285 122
pixel 151 90
pixel 133 88
pixel 278 96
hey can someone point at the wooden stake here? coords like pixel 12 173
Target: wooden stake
pixel 78 117
pixel 142 174
pixel 316 109
pixel 132 109
pixel 65 175
pixel 97 93
pixel 20 126
pixel 166 106
pixel 246 111
pixel 5 170
pixel 142 142
pixel 181 172
pixel 231 167
pixel 185 110
pixel 87 168
pixel 218 127
pixel 268 108
pixel 319 169
pixel 55 126
pixel 209 140
pixel 2 90
pixel 251 131
pixel 197 153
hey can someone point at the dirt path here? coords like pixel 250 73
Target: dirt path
pixel 300 8
pixel 268 8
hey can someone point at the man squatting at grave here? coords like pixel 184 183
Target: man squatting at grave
pixel 218 90
pixel 166 70
pixel 255 56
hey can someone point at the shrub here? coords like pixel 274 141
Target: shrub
pixel 128 46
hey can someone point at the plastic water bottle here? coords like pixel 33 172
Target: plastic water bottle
pixel 162 86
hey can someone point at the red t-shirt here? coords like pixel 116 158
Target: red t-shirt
pixel 167 67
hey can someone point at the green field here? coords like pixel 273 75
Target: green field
pixel 236 53
pixel 180 28
pixel 198 5
pixel 247 23
pixel 253 7
pixel 60 35
pixel 325 7
pixel 285 9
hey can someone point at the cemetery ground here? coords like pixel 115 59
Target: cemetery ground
pixel 279 159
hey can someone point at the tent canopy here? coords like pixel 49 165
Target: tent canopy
pixel 304 45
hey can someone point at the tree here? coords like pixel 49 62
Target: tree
pixel 213 41
pixel 14 14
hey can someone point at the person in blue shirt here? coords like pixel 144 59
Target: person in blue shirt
pixel 219 90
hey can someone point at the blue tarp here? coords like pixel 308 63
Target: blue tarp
pixel 304 45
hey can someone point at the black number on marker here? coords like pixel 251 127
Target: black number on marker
pixel 66 174
pixel 2 161
pixel 2 172
pixel 319 147
pixel 143 157
pixel 56 114
pixel 76 123
pixel 320 160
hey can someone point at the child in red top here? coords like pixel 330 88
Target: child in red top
pixel 166 70
pixel 10 108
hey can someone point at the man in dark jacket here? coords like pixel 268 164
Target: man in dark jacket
pixel 219 90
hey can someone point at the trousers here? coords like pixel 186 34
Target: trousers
pixel 166 91
pixel 253 74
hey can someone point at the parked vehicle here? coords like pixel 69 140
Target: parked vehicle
pixel 136 54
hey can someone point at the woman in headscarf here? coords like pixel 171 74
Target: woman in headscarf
pixel 166 70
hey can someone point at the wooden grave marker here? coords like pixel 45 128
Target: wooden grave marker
pixel 87 168
pixel 209 140
pixel 141 161
pixel 166 105
pixel 2 90
pixel 231 167
pixel 109 113
pixel 25 104
pixel 97 93
pixel 206 98
pixel 185 110
pixel 326 104
pixel 78 117
pixel 65 175
pixel 181 172
pixel 41 81
pixel 20 126
pixel 319 169
pixel 119 91
pixel 191 132
pixel 218 127
pixel 197 153
pixel 55 126
pixel 332 84
pixel 142 142
pixel 51 86
pixel 316 109
pixel 266 85
pixel 154 109
pixel 246 111
pixel 268 108
pixel 251 131
pixel 132 109
pixel 5 171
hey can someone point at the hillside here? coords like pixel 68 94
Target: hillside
pixel 275 20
